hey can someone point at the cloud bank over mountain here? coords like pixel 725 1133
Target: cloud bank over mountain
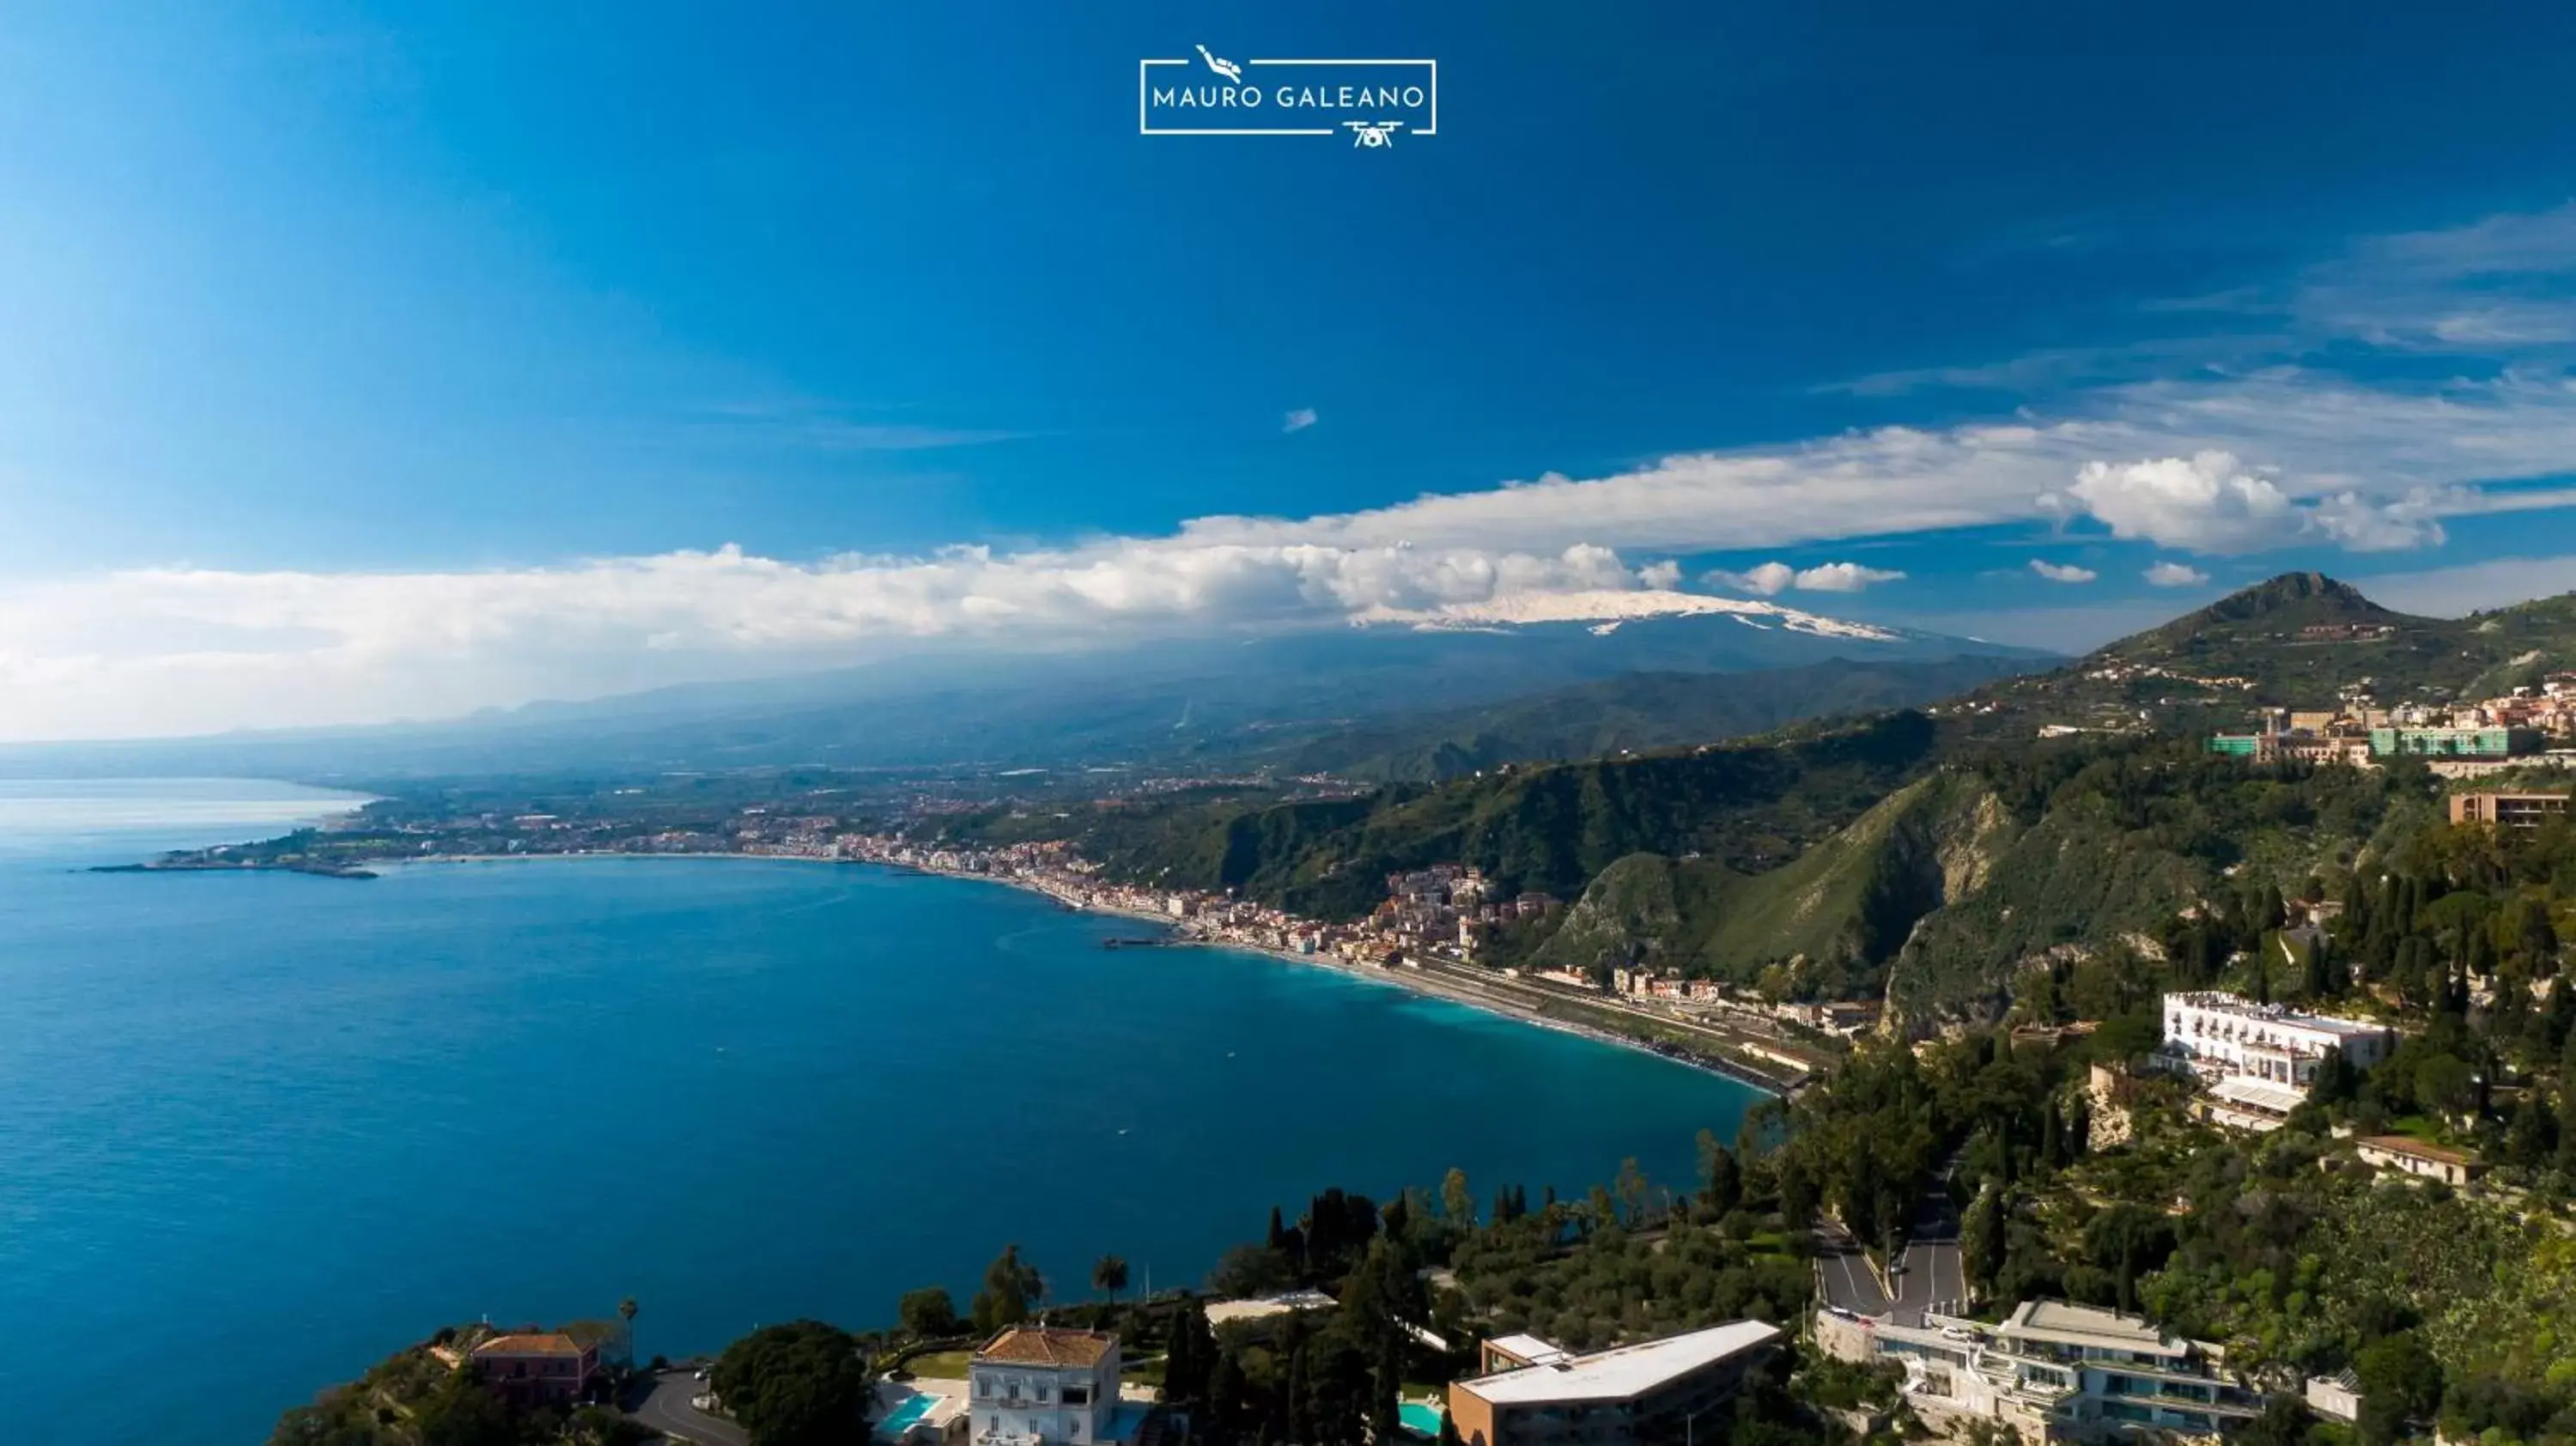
pixel 2214 464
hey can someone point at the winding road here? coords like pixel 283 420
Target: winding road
pixel 1927 1273
pixel 668 1411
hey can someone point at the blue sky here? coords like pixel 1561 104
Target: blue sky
pixel 389 361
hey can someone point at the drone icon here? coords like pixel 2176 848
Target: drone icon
pixel 1374 135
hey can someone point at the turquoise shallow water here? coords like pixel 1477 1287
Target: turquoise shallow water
pixel 256 1131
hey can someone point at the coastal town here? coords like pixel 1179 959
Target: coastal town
pixel 1426 935
pixel 1432 933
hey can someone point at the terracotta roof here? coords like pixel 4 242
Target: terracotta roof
pixel 553 1343
pixel 1047 1346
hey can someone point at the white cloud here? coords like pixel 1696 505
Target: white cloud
pixel 1844 577
pixel 2062 571
pixel 166 651
pixel 2503 287
pixel 2175 574
pixel 2498 284
pixel 174 650
pixel 1769 578
pixel 2211 502
pixel 2224 462
pixel 1661 576
pixel 1763 579
pixel 2314 435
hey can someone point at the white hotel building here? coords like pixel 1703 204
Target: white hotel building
pixel 2260 1060
pixel 1046 1386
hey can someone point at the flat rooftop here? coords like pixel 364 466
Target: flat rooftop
pixel 1262 1307
pixel 1531 1349
pixel 1624 1373
pixel 2264 1095
pixel 2087 1325
pixel 2238 1006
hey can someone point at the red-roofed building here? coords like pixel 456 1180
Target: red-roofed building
pixel 533 1367
pixel 1045 1386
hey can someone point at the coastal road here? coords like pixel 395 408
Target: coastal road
pixel 668 1411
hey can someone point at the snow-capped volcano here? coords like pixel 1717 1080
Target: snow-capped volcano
pixel 1612 607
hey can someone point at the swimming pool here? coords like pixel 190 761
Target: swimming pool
pixel 1420 1419
pixel 914 1407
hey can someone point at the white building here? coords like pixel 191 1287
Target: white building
pixel 2337 1397
pixel 2055 1371
pixel 2227 1036
pixel 1534 1393
pixel 1045 1386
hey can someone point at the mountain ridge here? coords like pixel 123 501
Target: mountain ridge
pixel 1204 702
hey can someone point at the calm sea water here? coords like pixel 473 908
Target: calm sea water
pixel 257 1131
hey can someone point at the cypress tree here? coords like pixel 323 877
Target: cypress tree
pixel 1386 1382
pixel 1180 1360
pixel 1301 1415
pixel 1225 1396
pixel 2567 1125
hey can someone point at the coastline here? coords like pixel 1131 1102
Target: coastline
pixel 1410 980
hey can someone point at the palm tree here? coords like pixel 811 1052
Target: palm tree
pixel 1109 1275
pixel 626 1313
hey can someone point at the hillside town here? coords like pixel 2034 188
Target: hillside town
pixel 2527 727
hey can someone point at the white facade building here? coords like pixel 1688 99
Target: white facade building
pixel 1044 1386
pixel 2056 1372
pixel 2227 1036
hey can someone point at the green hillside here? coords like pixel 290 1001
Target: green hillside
pixel 1954 885
pixel 1944 862
pixel 1823 926
pixel 1548 827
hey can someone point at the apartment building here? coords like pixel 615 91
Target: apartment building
pixel 2054 1371
pixel 2507 810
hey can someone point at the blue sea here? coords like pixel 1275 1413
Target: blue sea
pixel 259 1130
